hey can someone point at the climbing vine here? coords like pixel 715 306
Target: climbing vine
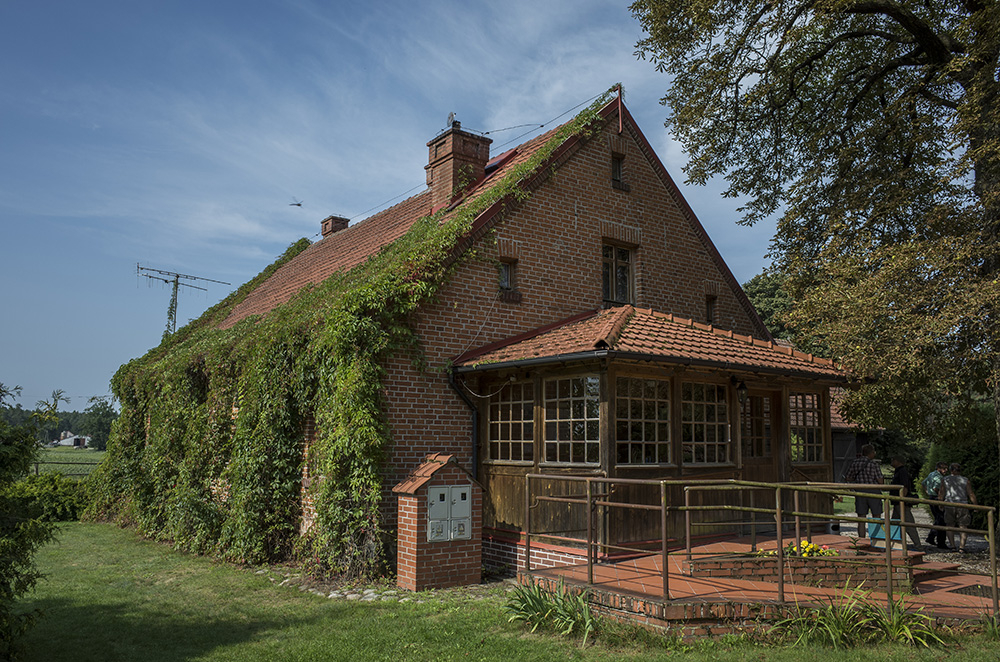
pixel 208 450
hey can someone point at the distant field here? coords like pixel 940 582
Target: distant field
pixel 69 461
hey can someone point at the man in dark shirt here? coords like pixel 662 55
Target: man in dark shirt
pixel 901 476
pixel 865 470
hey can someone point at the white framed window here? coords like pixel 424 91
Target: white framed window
pixel 512 423
pixel 704 423
pixel 642 421
pixel 572 408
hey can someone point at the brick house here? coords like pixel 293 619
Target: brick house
pixel 597 332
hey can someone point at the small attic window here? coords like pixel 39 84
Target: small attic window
pixel 618 172
pixel 506 275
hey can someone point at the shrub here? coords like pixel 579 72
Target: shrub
pixel 855 620
pixel 20 534
pixel 51 496
pixel 562 611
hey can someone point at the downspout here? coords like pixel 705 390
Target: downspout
pixel 475 421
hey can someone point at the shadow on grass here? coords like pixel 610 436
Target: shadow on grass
pixel 108 632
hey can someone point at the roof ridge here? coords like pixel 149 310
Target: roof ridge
pixel 609 333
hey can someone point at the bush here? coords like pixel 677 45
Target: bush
pixel 20 534
pixel 52 497
pixel 971 441
pixel 562 611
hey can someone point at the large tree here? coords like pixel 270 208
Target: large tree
pixel 871 129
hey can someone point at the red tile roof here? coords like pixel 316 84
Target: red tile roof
pixel 627 332
pixel 425 472
pixel 353 245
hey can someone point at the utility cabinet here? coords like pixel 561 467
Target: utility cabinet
pixel 439 540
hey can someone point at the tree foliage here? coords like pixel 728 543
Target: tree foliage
pixel 21 533
pixel 872 129
pixel 97 420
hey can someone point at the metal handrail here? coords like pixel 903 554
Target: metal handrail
pixel 588 500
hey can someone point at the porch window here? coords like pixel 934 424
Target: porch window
pixel 512 423
pixel 756 426
pixel 616 274
pixel 572 420
pixel 806 425
pixel 642 420
pixel 704 423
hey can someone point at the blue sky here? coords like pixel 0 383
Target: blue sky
pixel 176 135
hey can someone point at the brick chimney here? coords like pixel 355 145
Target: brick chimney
pixel 456 159
pixel 333 224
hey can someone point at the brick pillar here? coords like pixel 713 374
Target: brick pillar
pixel 435 549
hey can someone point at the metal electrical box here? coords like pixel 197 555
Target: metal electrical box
pixel 449 513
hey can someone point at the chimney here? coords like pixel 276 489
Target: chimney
pixel 456 159
pixel 333 224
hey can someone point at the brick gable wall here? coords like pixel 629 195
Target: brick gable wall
pixel 556 238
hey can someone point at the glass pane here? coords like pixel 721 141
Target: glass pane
pixel 593 453
pixel 621 430
pixel 621 284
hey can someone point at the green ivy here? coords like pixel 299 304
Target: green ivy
pixel 208 450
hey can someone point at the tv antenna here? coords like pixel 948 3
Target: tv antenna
pixel 175 279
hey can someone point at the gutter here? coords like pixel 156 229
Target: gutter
pixel 475 421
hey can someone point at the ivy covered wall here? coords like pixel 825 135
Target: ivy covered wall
pixel 208 450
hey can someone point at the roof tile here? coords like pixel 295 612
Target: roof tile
pixel 642 332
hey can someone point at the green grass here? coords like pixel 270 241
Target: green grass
pixel 845 507
pixel 83 460
pixel 111 596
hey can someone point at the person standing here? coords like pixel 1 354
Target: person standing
pixel 866 471
pixel 956 488
pixel 932 483
pixel 901 476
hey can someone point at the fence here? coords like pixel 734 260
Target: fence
pixel 597 491
pixel 81 474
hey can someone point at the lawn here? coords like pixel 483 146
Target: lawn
pixel 111 596
pixel 70 461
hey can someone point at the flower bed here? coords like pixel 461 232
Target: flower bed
pixel 811 565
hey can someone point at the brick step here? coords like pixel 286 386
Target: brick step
pixel 933 570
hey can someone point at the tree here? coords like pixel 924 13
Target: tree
pixel 21 534
pixel 97 421
pixel 766 292
pixel 872 129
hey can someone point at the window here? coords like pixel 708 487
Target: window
pixel 618 172
pixel 755 426
pixel 506 275
pixel 806 427
pixel 512 423
pixel 704 423
pixel 572 420
pixel 616 274
pixel 710 308
pixel 642 420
